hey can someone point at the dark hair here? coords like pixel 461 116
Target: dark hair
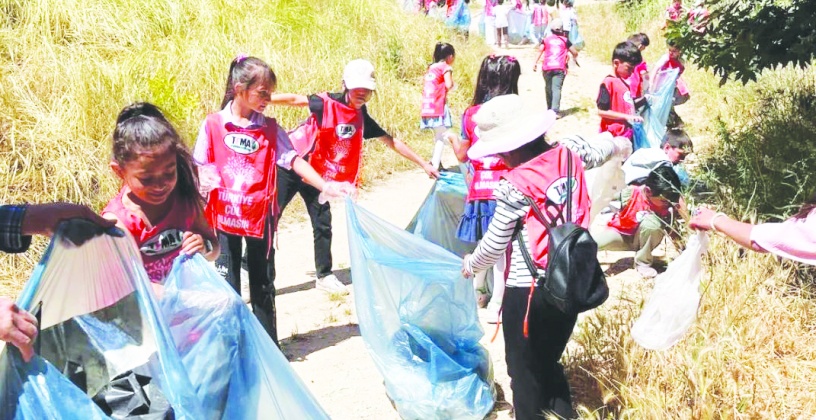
pixel 141 126
pixel 627 52
pixel 442 51
pixel 663 181
pixel 806 208
pixel 247 71
pixel 677 138
pixel 641 39
pixel 569 3
pixel 498 75
pixel 534 148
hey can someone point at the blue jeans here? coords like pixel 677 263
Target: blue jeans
pixel 554 80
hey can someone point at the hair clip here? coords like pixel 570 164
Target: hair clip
pixel 492 56
pixel 241 57
pixel 511 58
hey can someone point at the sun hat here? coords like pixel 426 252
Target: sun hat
pixel 359 74
pixel 556 25
pixel 503 124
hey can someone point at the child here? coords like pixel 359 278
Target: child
pixel 615 105
pixel 674 12
pixel 535 332
pixel 500 11
pixel 490 22
pixel 554 49
pixel 568 15
pixel 540 18
pixel 498 75
pixel 435 113
pixel 244 147
pixel 676 146
pixel 673 60
pixel 640 223
pixel 639 80
pixel 335 154
pixel 159 203
pixel 698 17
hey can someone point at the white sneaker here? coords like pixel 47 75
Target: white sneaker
pixel 492 316
pixel 645 271
pixel 330 284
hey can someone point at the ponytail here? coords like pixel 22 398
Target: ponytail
pixel 442 51
pixel 246 71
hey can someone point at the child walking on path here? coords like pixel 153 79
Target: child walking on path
pixel 540 19
pixel 500 11
pixel 498 75
pixel 615 105
pixel 555 49
pixel 159 203
pixel 435 113
pixel 242 147
pixel 332 141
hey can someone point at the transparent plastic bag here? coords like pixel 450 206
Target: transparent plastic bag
pixel 99 321
pixel 438 217
pixel 236 369
pixel 660 104
pixel 672 306
pixel 459 18
pixel 575 37
pixel 418 319
pixel 603 183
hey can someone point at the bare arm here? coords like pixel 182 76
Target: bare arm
pixel 302 168
pixel 739 232
pixel 620 116
pixel 289 99
pixel 448 80
pixel 406 152
pixel 460 147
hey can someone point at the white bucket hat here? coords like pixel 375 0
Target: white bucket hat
pixel 503 125
pixel 359 74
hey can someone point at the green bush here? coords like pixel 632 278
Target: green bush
pixel 766 165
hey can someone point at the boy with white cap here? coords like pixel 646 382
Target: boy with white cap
pixel 332 141
pixel 535 332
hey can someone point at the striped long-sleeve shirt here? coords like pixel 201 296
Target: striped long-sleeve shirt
pixel 11 223
pixel 511 209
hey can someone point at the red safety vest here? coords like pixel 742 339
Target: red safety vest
pixel 245 160
pixel 544 179
pixel 338 145
pixel 621 97
pixel 627 220
pixel 555 53
pixel 486 171
pixel 434 92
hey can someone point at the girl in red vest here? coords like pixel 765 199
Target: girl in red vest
pixel 159 203
pixel 331 140
pixel 243 148
pixel 435 113
pixel 538 170
pixel 498 75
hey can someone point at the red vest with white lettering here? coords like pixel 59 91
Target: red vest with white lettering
pixel 161 244
pixel 245 160
pixel 434 91
pixel 555 53
pixel 486 171
pixel 627 220
pixel 544 179
pixel 338 146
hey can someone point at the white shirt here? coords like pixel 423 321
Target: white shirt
pixel 642 162
pixel 501 11
pixel 284 151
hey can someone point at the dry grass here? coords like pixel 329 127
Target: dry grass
pixel 68 66
pixel 750 354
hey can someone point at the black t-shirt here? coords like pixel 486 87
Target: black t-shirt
pixel 371 129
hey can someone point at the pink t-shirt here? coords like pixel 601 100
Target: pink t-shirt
pixel 555 52
pixel 794 239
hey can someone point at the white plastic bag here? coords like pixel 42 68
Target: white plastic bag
pixel 604 182
pixel 672 307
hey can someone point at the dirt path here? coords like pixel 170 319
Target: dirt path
pixel 319 332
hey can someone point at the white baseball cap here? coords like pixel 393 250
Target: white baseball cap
pixel 359 74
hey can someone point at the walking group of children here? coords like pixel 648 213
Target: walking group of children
pixel 250 170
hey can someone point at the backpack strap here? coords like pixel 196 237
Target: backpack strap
pixel 530 266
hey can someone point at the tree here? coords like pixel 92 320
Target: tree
pixel 741 38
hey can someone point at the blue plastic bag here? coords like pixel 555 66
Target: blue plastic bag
pixel 575 37
pixel 519 25
pixel 418 319
pixel 639 138
pixel 660 104
pixel 459 18
pixel 438 217
pixel 237 370
pixel 99 320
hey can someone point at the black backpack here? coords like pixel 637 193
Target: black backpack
pixel 574 281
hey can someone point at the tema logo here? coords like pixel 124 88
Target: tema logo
pixel 345 131
pixel 163 243
pixel 558 193
pixel 241 143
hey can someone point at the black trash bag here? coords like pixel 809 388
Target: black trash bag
pixel 132 395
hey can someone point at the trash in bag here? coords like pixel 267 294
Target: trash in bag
pixel 459 18
pixel 236 370
pixel 672 306
pixel 418 319
pixel 99 321
pixel 661 97
pixel 575 37
pixel 438 217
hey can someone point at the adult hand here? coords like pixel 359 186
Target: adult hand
pixel 17 327
pixel 430 170
pixel 465 272
pixel 43 219
pixel 701 218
